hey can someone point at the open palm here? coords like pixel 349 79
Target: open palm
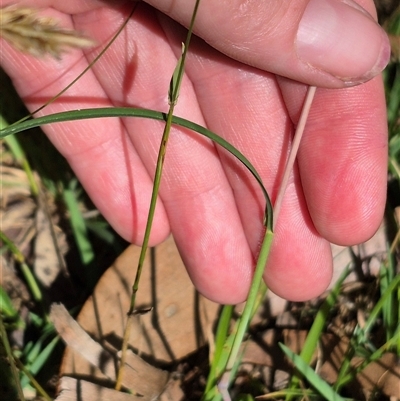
pixel 208 201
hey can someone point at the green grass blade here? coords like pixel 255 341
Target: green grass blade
pixel 7 309
pixel 221 336
pixel 78 223
pixel 252 297
pixel 176 80
pixel 348 377
pixel 41 358
pixel 221 354
pixel 33 381
pixel 8 370
pixel 393 286
pixel 19 154
pixel 177 76
pixel 314 334
pixel 320 385
pixel 257 289
pixel 301 394
pixel 321 318
pixel 360 338
pixel 121 112
pixel 390 308
pixel 26 271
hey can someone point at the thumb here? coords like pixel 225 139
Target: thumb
pixel 329 43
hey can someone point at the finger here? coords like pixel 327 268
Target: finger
pixel 329 43
pixel 343 159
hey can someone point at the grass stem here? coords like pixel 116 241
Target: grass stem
pixel 293 151
pixel 172 100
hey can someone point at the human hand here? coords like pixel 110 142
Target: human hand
pixel 209 202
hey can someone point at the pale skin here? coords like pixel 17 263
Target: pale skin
pixel 207 200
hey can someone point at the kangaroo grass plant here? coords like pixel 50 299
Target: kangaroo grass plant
pixel 17 25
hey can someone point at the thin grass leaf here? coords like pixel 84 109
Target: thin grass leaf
pixel 303 393
pixel 219 366
pixel 176 80
pixel 11 367
pixel 35 384
pixel 314 335
pixel 7 309
pixel 19 155
pixel 78 223
pixel 320 385
pixel 142 113
pixel 352 373
pixel 33 350
pixel 390 307
pixel 393 286
pixel 177 76
pixel 39 362
pixel 26 271
pixel 221 336
pixel 360 339
pixel 101 229
pixel 257 289
pixel 393 97
pixel 393 112
pixel 319 324
pixel 36 319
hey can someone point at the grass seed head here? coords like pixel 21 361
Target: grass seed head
pixel 28 32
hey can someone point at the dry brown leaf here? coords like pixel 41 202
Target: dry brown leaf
pixel 139 376
pixel 28 32
pixel 14 184
pixel 383 374
pixel 72 389
pixel 50 245
pixel 12 284
pixel 17 207
pixel 24 219
pixel 179 323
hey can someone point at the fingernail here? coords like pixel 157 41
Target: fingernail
pixel 342 39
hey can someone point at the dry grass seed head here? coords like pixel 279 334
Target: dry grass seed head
pixel 28 32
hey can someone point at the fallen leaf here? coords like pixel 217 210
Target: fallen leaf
pixel 50 245
pixel 72 389
pixel 139 376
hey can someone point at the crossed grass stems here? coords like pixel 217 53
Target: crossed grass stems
pixel 229 339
